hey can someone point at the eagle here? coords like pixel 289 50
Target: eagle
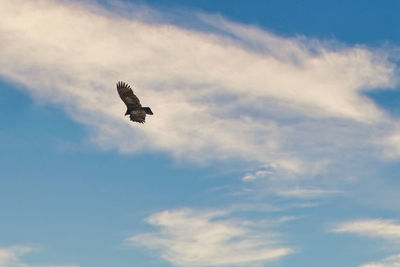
pixel 134 108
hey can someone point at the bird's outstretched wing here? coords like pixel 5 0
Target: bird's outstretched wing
pixel 130 99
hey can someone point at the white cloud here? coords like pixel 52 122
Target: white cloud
pixel 191 238
pixel 234 92
pixel 307 193
pixel 392 261
pixel 387 230
pixel 376 228
pixel 256 175
pixel 11 257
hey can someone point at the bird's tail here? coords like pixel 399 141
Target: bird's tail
pixel 147 110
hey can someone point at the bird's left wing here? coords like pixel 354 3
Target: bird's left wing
pixel 127 95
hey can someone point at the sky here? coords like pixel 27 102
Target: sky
pixel 275 139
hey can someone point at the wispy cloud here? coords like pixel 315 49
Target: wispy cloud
pixel 12 257
pixel 375 228
pixel 308 193
pixel 188 237
pixel 392 261
pixel 227 91
pixel 387 230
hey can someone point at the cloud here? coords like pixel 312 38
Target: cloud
pixel 387 230
pixel 392 261
pixel 11 257
pixel 187 237
pixel 220 91
pixel 375 228
pixel 307 193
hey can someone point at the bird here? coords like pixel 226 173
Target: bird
pixel 134 109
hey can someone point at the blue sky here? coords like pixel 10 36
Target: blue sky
pixel 275 139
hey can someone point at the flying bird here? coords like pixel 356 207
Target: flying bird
pixel 134 108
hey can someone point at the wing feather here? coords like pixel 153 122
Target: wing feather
pixel 130 99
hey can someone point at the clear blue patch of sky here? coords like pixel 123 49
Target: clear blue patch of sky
pixel 388 100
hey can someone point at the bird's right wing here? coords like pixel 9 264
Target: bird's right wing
pixel 127 95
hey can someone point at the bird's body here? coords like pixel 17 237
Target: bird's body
pixel 134 109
